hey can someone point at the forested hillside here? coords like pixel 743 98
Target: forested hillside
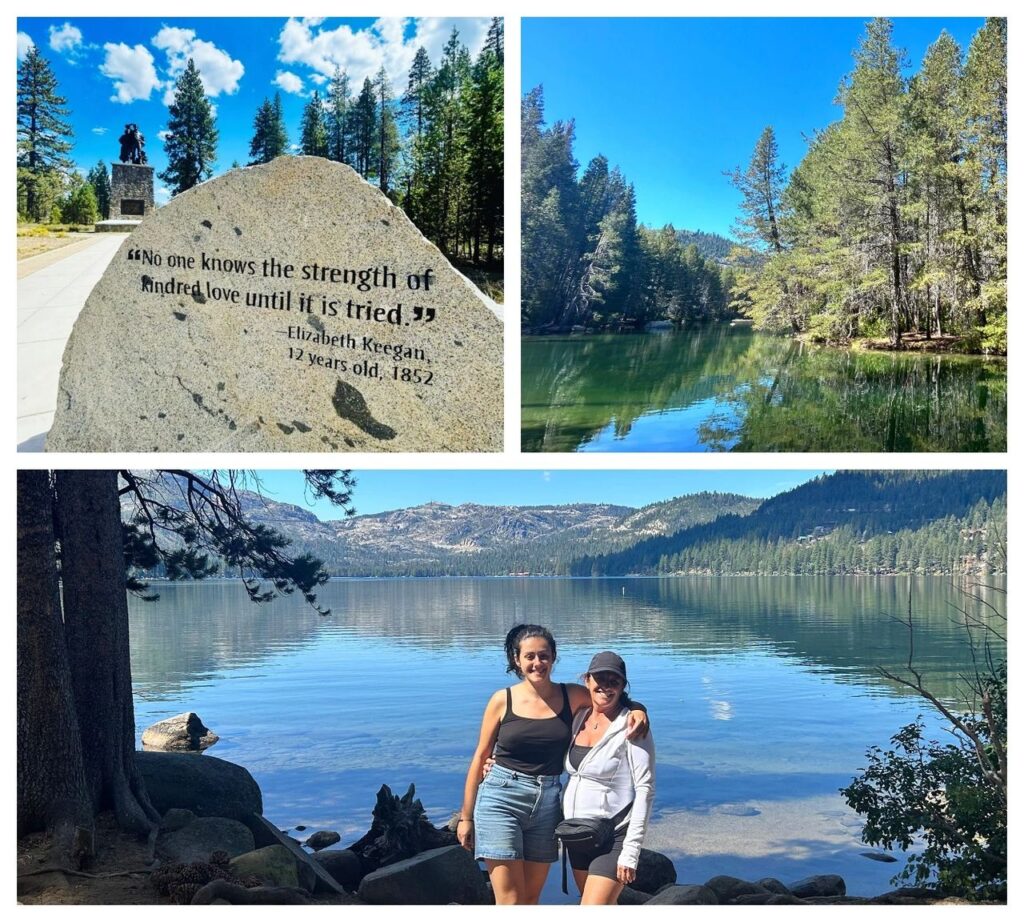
pixel 849 522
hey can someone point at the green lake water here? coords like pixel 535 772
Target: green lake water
pixel 717 388
pixel 764 695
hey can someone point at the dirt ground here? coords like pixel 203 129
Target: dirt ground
pixel 914 342
pixel 117 876
pixel 116 853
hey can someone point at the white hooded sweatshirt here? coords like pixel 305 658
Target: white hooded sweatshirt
pixel 614 773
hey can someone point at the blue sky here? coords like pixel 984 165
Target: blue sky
pixel 378 491
pixel 673 103
pixel 115 71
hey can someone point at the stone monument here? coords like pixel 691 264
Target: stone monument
pixel 283 307
pixel 131 184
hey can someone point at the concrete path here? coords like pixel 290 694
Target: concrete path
pixel 52 288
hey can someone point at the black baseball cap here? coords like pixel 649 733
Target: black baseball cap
pixel 608 662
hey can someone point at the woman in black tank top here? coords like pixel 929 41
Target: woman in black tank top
pixel 509 820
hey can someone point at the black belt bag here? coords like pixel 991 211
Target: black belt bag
pixel 586 832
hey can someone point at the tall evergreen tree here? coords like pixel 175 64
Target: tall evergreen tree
pixel 387 132
pixel 364 129
pixel 191 143
pixel 314 128
pixel 99 179
pixel 43 132
pixel 269 139
pixel 337 112
pixel 761 185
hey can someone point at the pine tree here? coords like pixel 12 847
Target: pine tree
pixel 80 207
pixel 191 143
pixel 364 129
pixel 337 112
pixel 99 179
pixel 387 131
pixel 314 128
pixel 761 185
pixel 269 139
pixel 43 133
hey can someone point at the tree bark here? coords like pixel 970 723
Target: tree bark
pixel 52 793
pixel 96 625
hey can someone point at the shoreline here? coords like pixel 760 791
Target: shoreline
pixel 910 343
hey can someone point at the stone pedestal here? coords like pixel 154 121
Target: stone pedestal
pixel 131 191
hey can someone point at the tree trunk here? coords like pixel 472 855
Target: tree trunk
pixel 52 792
pixel 96 625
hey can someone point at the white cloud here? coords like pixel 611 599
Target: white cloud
pixel 162 195
pixel 65 39
pixel 163 134
pixel 218 71
pixel 289 82
pixel 362 53
pixel 99 131
pixel 24 43
pixel 318 79
pixel 132 71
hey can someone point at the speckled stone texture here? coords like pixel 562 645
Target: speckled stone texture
pixel 199 337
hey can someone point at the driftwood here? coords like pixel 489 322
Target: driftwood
pixel 400 830
pixel 240 896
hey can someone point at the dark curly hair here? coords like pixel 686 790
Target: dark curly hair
pixel 517 635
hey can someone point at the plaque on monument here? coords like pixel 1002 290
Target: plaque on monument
pixel 283 307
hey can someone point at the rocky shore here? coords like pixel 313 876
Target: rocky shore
pixel 215 846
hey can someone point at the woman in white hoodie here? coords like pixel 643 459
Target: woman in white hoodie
pixel 610 777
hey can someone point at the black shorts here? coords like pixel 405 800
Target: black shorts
pixel 603 862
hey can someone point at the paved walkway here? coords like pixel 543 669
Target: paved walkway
pixel 52 288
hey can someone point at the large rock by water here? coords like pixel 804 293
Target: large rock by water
pixel 202 784
pixel 283 307
pixel 654 870
pixel 202 837
pixel 181 733
pixel 436 877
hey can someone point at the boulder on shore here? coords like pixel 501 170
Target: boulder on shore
pixel 819 885
pixel 654 871
pixel 729 888
pixel 181 733
pixel 435 877
pixel 206 786
pixel 313 876
pixel 205 835
pixel 322 839
pixel 683 895
pixel 273 865
pixel 343 865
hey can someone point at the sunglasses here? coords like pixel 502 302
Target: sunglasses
pixel 608 680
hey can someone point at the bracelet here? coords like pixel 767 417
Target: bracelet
pixel 463 819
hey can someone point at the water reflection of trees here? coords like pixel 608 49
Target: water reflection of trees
pixel 769 393
pixel 841 625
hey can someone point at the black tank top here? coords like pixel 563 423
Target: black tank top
pixel 534 745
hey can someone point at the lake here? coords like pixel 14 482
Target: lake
pixel 718 388
pixel 763 694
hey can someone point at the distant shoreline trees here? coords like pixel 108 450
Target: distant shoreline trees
pixel 586 261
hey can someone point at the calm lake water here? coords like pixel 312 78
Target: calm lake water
pixel 716 388
pixel 763 694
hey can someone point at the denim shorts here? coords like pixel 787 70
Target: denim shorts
pixel 516 816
